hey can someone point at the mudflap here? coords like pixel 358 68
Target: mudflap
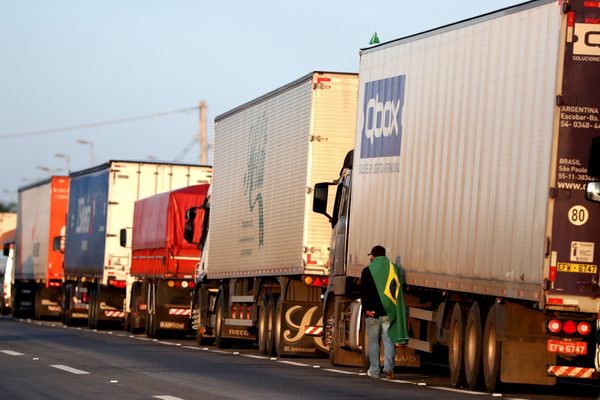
pixel 171 322
pixel 299 329
pixel 237 332
pixel 48 302
pixel 524 358
pixel 525 361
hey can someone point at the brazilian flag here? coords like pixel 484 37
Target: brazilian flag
pixel 387 279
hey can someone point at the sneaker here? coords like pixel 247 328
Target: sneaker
pixel 370 375
pixel 389 375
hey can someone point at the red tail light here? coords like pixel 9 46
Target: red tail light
pixel 54 284
pixel 318 281
pixel 117 284
pixel 554 326
pixel 191 284
pixel 569 327
pixel 553 273
pixel 584 328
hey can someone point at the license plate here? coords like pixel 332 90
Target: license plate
pixel 566 347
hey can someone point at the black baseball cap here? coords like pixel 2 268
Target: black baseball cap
pixel 377 251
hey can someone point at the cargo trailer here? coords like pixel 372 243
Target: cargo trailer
pixel 101 203
pixel 265 260
pixel 475 164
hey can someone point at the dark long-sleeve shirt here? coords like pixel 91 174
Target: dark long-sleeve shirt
pixel 369 296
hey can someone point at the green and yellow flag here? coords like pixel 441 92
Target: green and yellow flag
pixel 387 279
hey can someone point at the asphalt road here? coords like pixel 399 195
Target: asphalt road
pixel 46 360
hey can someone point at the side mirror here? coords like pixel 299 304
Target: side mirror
pixel 189 227
pixel 190 214
pixel 58 243
pixel 592 191
pixel 320 197
pixel 123 237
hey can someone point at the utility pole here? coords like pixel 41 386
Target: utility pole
pixel 202 133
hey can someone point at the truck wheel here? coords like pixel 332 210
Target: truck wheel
pixel 456 346
pixel 37 304
pixel 198 336
pixel 149 312
pixel 270 336
pixel 491 350
pixel 277 339
pixel 366 363
pixel 16 301
pixel 329 328
pixel 262 326
pixel 473 345
pixel 220 341
pixel 92 311
pixel 67 301
pixel 152 330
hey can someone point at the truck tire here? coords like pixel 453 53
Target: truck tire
pixel 329 328
pixel 492 350
pixel 364 355
pixel 473 345
pixel 152 324
pixel 67 305
pixel 220 341
pixel 456 346
pixel 16 301
pixel 271 326
pixel 198 335
pixel 262 325
pixel 92 307
pixel 37 304
pixel 277 329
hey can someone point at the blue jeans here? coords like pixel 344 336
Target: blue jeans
pixel 378 327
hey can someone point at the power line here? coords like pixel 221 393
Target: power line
pixel 95 124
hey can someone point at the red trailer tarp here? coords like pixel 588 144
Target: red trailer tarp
pixel 159 249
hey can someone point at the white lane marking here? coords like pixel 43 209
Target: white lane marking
pixel 114 381
pixel 219 351
pixel 142 338
pixel 69 369
pixel 167 397
pixel 167 343
pixel 11 353
pixel 257 357
pixel 294 363
pixel 191 347
pixel 456 390
pixel 401 381
pixel 339 371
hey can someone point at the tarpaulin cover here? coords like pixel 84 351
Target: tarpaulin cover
pixel 159 248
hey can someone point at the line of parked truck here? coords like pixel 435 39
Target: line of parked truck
pixel 471 152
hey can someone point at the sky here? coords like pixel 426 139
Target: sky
pixel 70 63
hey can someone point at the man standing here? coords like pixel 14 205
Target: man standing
pixel 383 306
